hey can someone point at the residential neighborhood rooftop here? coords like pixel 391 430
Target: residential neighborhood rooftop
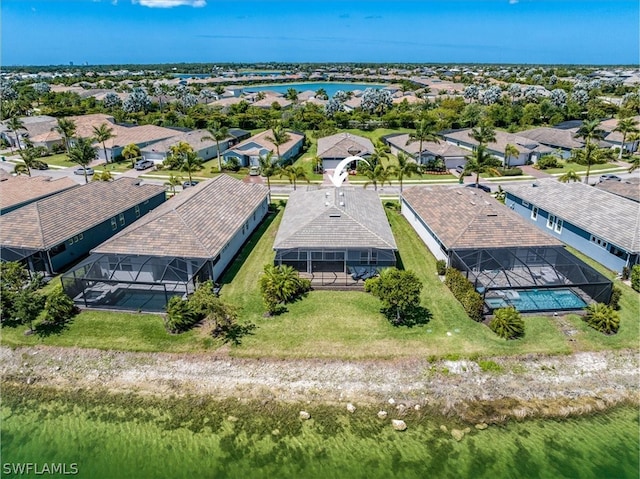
pixel 611 217
pixel 197 223
pixel 462 218
pixel 52 220
pixel 16 190
pixel 334 218
pixel 343 145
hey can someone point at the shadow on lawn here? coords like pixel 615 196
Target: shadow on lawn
pixel 414 316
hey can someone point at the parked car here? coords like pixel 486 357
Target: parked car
pixel 40 165
pixel 460 169
pixel 254 171
pixel 479 186
pixel 81 170
pixel 187 184
pixel 143 164
pixel 610 177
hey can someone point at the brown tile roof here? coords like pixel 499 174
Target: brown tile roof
pixel 194 138
pixel 196 223
pixel 47 222
pixel 464 218
pixel 323 218
pixel 261 139
pixel 15 190
pixel 627 188
pixel 443 149
pixel 522 143
pixel 339 145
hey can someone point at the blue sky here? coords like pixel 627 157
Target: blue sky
pixel 39 32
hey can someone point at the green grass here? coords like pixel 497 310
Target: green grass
pixel 60 159
pixel 580 169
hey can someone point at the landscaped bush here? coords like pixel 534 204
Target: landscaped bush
pixel 507 323
pixel 399 291
pixel 180 315
pixel 280 285
pixel 58 308
pixel 602 318
pixel 546 162
pixel 616 294
pixel 514 171
pixel 441 267
pixel 464 292
pixel 626 272
pixel 635 277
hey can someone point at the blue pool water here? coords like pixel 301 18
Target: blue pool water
pixel 538 300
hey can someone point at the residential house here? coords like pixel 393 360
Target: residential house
pixel 335 148
pixel 49 234
pixel 601 225
pixel 191 238
pixel 206 149
pixel 17 191
pixel 529 150
pixel 452 155
pixel 330 233
pixel 249 151
pixel 510 262
pixel 37 129
pixel 628 188
pixel 614 138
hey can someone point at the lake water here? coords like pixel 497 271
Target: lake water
pixel 198 438
pixel 330 88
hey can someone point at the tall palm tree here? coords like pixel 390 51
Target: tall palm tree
pixel 376 174
pixel 425 131
pixel 101 134
pixel 635 163
pixel 481 161
pixel 268 167
pixel 131 152
pixel 569 175
pixel 30 156
pixel 405 167
pixel 83 153
pixel 381 151
pixel 626 126
pixel 484 134
pixel 217 132
pixel 590 132
pixel 294 173
pixel 14 125
pixel 278 137
pixel 191 163
pixel 509 151
pixel 67 128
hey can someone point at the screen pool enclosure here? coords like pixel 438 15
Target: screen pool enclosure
pixel 532 279
pixel 133 282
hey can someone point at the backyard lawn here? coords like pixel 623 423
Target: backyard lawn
pixel 343 325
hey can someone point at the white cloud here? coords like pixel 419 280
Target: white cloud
pixel 170 3
pixel 513 2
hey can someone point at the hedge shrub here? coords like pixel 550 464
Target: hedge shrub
pixel 464 292
pixel 635 277
pixel 602 318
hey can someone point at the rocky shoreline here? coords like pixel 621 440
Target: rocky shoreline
pixel 514 387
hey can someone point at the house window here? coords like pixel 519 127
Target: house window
pixel 374 257
pixel 534 213
pixel 57 249
pixel 70 241
pixel 137 211
pixel 121 217
pixel 364 257
pixel 618 252
pixel 550 221
pixel 599 241
pixel 80 237
pixel 558 227
pixel 525 203
pixel 114 224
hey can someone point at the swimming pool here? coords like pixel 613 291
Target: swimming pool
pixel 536 300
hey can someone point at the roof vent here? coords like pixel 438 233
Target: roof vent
pixel 342 203
pixel 341 193
pixel 534 185
pixel 326 203
pixel 473 203
pixel 326 193
pixel 334 215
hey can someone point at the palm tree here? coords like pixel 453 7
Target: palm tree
pixel 217 132
pixel 425 131
pixel 268 167
pixel 481 161
pixel 14 125
pixel 131 152
pixel 405 167
pixel 292 94
pixel 67 128
pixel 101 134
pixel 278 137
pixel 381 152
pixel 375 175
pixel 507 323
pixel 569 175
pixel 589 132
pixel 83 153
pixel 509 151
pixel 191 162
pixel 625 126
pixel 294 173
pixel 30 156
pixel 635 163
pixel 172 182
pixel 484 134
pixel 278 285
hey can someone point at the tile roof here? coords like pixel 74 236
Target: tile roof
pixel 126 135
pixel 444 149
pixel 196 223
pixel 554 137
pixel 464 218
pixel 627 188
pixel 608 216
pixel 261 140
pixel 340 145
pixel 47 222
pixel 194 138
pixel 15 190
pixel 323 218
pixel 522 143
